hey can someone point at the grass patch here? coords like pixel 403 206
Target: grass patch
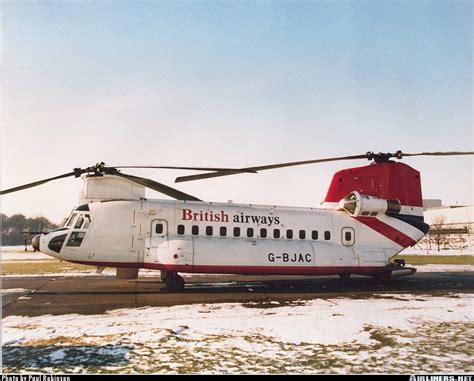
pixel 383 339
pixel 9 268
pixel 437 259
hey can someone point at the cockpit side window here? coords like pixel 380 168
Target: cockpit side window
pixel 79 222
pixel 87 219
pixel 76 239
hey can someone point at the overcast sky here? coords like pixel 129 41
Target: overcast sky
pixel 232 84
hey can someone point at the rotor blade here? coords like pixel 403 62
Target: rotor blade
pixel 233 170
pixel 266 167
pixel 36 183
pixel 449 153
pixel 174 193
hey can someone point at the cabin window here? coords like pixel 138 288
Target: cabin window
pixel 250 232
pixel 180 229
pixel 88 221
pixel 236 232
pixel 209 230
pixel 373 214
pixel 223 231
pixel 327 235
pixel 76 239
pixel 195 230
pixel 314 235
pixel 276 233
pixel 263 233
pixel 348 236
pixel 289 234
pixel 365 213
pixel 159 228
pixel 302 234
pixel 79 222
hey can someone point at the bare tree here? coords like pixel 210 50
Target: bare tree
pixel 436 230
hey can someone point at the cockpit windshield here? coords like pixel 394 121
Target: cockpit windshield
pixel 70 220
pixel 78 221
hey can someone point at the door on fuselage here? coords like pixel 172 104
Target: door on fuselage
pixel 158 244
pixel 169 250
pixel 348 239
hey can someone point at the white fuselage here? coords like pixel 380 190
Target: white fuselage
pixel 228 238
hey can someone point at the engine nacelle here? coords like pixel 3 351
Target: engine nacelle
pixel 107 187
pixel 361 205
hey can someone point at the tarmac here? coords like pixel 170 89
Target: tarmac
pixel 57 295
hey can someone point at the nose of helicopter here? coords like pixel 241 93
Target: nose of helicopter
pixel 35 242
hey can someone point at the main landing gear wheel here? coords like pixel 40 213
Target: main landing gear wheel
pixel 163 275
pixel 174 282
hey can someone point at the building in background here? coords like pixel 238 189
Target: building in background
pixel 452 228
pixel 432 203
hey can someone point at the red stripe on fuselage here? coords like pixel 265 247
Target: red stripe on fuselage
pixel 387 231
pixel 253 270
pixel 267 270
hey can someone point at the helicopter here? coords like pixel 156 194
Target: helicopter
pixel 369 215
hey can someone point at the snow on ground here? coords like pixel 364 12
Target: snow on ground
pixel 17 248
pixel 73 274
pixel 26 256
pixel 434 251
pixel 14 290
pixel 442 268
pixel 18 253
pixel 399 333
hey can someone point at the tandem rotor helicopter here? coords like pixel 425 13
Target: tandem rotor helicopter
pixel 368 216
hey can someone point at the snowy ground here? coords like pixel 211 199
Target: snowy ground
pixel 423 251
pixel 18 253
pixel 396 333
pixel 443 268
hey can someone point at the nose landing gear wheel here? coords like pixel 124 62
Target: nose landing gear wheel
pixel 174 282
